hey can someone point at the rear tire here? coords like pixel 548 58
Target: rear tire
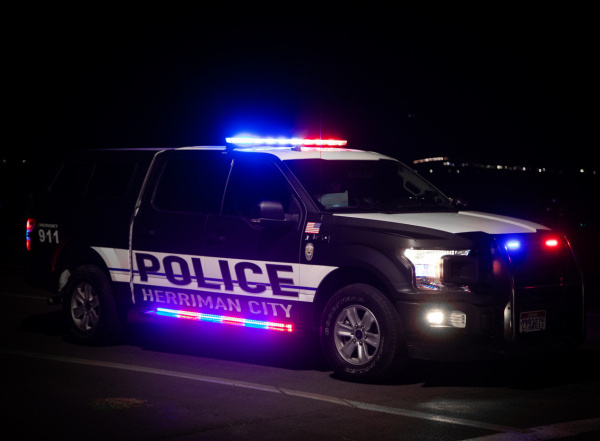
pixel 361 334
pixel 91 308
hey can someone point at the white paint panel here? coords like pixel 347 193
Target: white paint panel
pixel 117 261
pixel 306 278
pixel 461 222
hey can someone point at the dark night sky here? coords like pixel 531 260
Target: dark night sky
pixel 510 85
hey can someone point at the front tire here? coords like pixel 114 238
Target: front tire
pixel 361 334
pixel 91 308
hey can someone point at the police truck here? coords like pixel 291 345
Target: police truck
pixel 299 235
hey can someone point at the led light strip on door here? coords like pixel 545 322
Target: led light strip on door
pixel 238 321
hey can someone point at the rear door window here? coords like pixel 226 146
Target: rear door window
pixel 192 185
pixel 73 178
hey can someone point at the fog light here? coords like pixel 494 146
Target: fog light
pixel 457 319
pixel 435 318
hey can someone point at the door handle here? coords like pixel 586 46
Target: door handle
pixel 215 239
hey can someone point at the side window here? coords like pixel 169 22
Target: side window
pixel 73 178
pixel 192 185
pixel 252 182
pixel 111 180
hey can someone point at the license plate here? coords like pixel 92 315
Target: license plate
pixel 532 321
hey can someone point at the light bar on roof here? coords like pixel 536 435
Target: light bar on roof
pixel 285 142
pixel 190 315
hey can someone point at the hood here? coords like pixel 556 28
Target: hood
pixel 461 222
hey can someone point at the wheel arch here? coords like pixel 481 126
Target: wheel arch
pixel 361 264
pixel 74 256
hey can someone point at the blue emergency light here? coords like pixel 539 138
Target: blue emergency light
pixel 513 244
pixel 284 142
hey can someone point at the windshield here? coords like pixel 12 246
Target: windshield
pixel 362 185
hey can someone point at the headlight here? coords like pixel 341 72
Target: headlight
pixel 429 265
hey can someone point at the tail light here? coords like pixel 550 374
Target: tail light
pixel 29 228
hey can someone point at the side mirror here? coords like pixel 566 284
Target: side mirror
pixel 271 214
pixel 268 210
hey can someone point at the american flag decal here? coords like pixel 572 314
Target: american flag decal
pixel 312 227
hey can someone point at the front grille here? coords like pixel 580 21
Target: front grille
pixel 547 301
pixel 535 264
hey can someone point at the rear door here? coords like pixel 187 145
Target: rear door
pixel 184 188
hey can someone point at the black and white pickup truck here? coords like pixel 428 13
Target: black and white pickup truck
pixel 299 235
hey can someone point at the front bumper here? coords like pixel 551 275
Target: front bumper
pixel 545 285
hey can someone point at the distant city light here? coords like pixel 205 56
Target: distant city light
pixel 437 158
pixel 445 161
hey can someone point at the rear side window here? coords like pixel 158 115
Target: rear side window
pixel 73 178
pixel 111 180
pixel 192 185
pixel 94 179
